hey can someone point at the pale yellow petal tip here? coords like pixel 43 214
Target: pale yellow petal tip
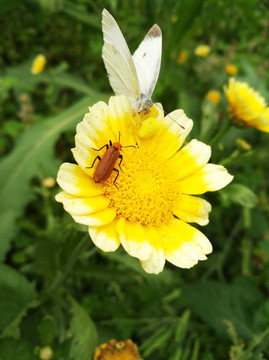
pixel 155 263
pixel 224 178
pixel 202 50
pixel 105 237
pixel 216 177
pixel 38 64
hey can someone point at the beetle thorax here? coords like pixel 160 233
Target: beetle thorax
pixel 117 145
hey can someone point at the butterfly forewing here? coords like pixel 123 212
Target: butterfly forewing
pixel 147 60
pixel 118 59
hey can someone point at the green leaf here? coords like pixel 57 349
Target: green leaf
pixel 191 9
pixel 33 153
pixel 20 79
pixel 16 296
pixel 214 302
pixel 11 349
pixel 81 15
pixel 7 231
pixel 238 194
pixel 83 332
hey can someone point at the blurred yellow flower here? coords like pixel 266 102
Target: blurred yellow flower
pixel 117 350
pixel 49 182
pixel 231 69
pixel 38 64
pixel 246 106
pixel 182 57
pixel 202 50
pixel 148 208
pixel 213 96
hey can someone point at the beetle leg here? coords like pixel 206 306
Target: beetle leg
pixel 120 157
pixel 114 182
pixel 97 157
pixel 106 145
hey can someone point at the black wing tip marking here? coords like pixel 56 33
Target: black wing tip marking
pixel 155 31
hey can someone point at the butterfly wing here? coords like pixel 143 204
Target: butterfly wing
pixel 118 60
pixel 147 60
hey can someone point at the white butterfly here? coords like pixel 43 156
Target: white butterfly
pixel 134 76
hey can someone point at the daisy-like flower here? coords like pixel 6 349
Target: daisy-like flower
pixel 246 106
pixel 213 96
pixel 148 208
pixel 117 350
pixel 38 64
pixel 202 50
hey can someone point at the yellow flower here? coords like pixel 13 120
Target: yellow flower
pixel 117 350
pixel 231 69
pixel 182 57
pixel 148 208
pixel 202 50
pixel 49 182
pixel 213 96
pixel 246 106
pixel 38 64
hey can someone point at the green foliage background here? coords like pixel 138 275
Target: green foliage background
pixel 56 288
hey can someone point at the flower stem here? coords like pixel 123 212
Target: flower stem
pixel 221 132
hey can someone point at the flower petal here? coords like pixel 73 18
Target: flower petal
pixel 184 244
pixel 209 178
pixel 190 158
pixel 82 206
pixel 133 239
pixel 155 263
pixel 74 181
pixel 96 219
pixel 192 209
pixel 84 153
pixel 120 116
pixel 105 237
pixel 171 136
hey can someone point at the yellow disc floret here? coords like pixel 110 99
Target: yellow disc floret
pixel 146 188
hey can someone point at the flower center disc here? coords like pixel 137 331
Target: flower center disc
pixel 146 188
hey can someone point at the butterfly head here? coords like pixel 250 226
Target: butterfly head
pixel 144 103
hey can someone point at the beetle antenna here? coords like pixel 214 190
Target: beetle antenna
pixel 129 146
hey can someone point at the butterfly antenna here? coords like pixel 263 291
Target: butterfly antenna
pixel 169 116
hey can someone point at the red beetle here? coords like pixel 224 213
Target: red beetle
pixel 107 163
